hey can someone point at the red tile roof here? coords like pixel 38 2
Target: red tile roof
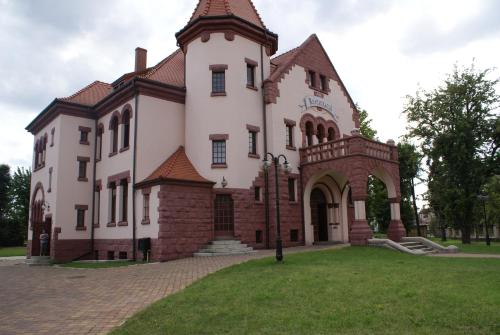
pixel 241 8
pixel 169 71
pixel 91 94
pixel 177 167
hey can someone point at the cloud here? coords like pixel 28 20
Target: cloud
pixel 426 36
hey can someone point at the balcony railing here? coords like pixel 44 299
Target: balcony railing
pixel 349 146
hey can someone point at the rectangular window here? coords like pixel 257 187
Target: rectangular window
pixel 294 235
pixel 218 82
pixel 145 207
pixel 323 83
pixel 111 255
pixel 252 142
pixel 258 236
pixel 122 255
pixel 98 154
pixel 289 135
pixel 82 170
pixel 84 137
pixel 219 152
pixel 250 75
pixel 257 193
pixel 50 180
pixel 291 189
pixel 124 186
pixel 52 134
pixel 113 203
pixel 80 218
pixel 312 78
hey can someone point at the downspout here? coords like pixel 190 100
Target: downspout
pixel 266 175
pixel 302 204
pixel 134 169
pixel 92 228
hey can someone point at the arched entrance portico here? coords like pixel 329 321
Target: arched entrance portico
pixel 343 166
pixel 319 215
pixel 38 222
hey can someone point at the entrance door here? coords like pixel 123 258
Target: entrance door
pixel 37 225
pixel 319 217
pixel 224 216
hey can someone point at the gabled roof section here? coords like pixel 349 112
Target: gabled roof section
pixel 243 9
pixel 169 71
pixel 177 167
pixel 310 55
pixel 91 94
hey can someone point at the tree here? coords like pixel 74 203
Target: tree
pixel 19 195
pixel 365 127
pixel 459 135
pixel 4 190
pixel 409 170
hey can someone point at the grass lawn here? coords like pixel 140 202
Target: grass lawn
pixel 12 251
pixel 99 265
pixel 473 248
pixel 350 291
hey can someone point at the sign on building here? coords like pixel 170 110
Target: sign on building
pixel 312 101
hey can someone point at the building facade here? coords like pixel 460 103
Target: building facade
pixel 174 152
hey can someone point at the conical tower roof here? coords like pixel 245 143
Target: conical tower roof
pixel 243 9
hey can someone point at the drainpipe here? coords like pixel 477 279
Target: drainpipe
pixel 93 191
pixel 302 204
pixel 264 119
pixel 134 169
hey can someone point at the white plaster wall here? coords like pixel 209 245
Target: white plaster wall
pixel 70 191
pixel 152 229
pixel 207 115
pixel 293 89
pixel 109 166
pixel 42 175
pixel 160 133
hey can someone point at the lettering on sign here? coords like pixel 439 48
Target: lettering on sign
pixel 312 101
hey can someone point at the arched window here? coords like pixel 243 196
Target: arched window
pixel 114 134
pixel 126 129
pixel 98 154
pixel 309 133
pixel 37 156
pixel 320 133
pixel 331 134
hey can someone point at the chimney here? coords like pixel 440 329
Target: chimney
pixel 141 57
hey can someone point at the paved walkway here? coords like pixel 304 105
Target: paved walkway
pixel 56 300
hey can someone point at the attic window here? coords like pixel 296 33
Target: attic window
pixel 312 78
pixel 323 83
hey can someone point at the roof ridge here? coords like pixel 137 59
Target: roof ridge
pixel 164 61
pixel 84 89
pixel 284 53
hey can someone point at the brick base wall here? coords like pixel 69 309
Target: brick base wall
pixel 68 250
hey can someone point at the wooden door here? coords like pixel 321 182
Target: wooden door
pixel 224 216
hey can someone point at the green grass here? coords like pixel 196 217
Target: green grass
pixel 350 291
pixel 99 265
pixel 473 248
pixel 12 251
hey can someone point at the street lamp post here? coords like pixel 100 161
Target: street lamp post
pixel 267 164
pixel 484 198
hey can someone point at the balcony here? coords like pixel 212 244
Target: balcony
pixel 347 147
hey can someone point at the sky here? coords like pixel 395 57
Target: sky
pixel 382 49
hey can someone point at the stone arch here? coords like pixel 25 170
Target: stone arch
pixel 126 109
pixel 331 125
pixel 115 116
pixel 320 132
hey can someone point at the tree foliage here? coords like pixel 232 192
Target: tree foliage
pixel 458 129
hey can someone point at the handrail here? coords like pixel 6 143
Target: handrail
pixel 348 146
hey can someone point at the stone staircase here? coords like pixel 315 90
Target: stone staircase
pixel 38 261
pixel 224 248
pixel 413 245
pixel 417 245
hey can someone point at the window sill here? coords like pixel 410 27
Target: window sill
pixel 122 224
pixel 39 168
pixel 97 225
pixel 253 156
pixel 111 154
pixel 291 148
pixel 252 87
pixel 98 160
pixel 81 228
pixel 319 90
pixel 84 142
pixel 218 94
pixel 219 166
pixel 111 224
pixel 145 222
pixel 124 149
pixel 83 179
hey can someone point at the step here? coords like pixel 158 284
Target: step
pixel 419 246
pixel 213 254
pixel 215 251
pixel 406 244
pixel 225 247
pixel 39 261
pixel 225 242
